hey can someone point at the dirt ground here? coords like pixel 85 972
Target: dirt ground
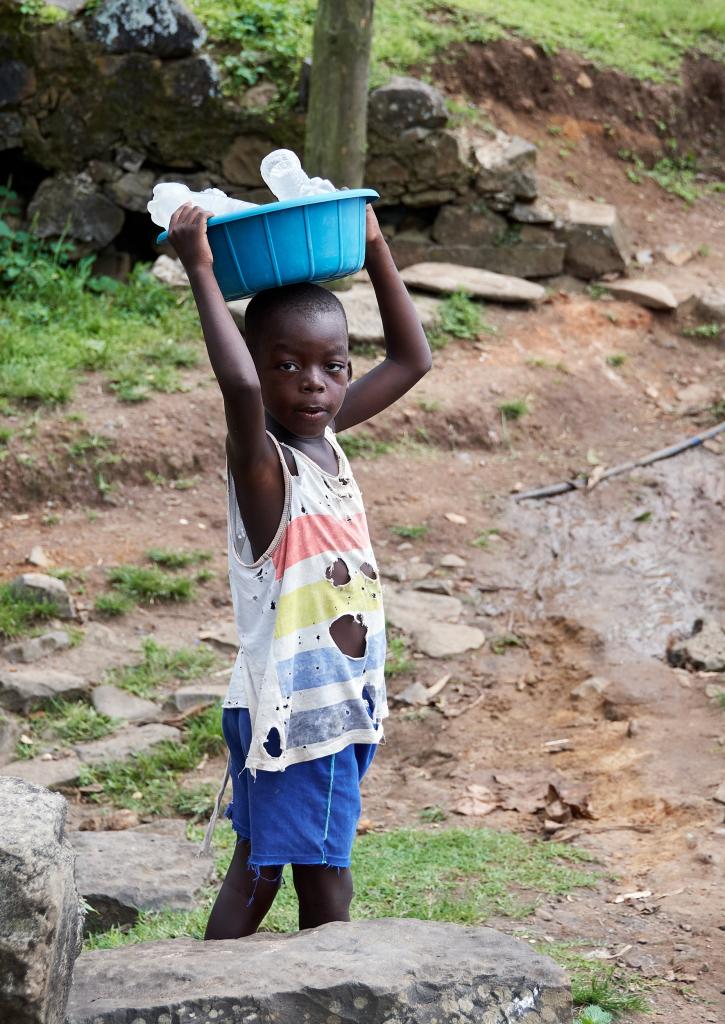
pixel 592 582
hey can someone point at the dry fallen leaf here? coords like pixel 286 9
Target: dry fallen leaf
pixel 454 517
pixel 625 897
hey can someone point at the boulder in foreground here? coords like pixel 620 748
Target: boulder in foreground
pixel 362 972
pixel 41 922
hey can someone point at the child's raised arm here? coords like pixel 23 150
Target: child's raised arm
pixel 407 352
pixel 252 457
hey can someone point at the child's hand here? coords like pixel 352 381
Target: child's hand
pixel 373 234
pixel 187 234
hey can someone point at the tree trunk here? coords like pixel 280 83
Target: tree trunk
pixel 336 128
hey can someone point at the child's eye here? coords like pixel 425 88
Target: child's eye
pixel 335 367
pixel 288 366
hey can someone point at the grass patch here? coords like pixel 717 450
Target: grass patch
pixel 20 615
pixel 483 540
pixel 429 404
pixel 711 330
pixel 160 665
pixel 112 605
pixel 397 662
pixel 150 783
pixel 409 532
pixel 610 989
pixel 64 722
pixel 500 644
pixel 460 316
pixel 149 585
pixel 432 815
pixel 677 174
pixel 720 699
pixel 363 445
pixel 463 875
pixel 616 359
pixel 176 559
pixel 515 409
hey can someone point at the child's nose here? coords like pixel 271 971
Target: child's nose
pixel 313 381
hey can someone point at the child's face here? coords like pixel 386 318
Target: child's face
pixel 304 371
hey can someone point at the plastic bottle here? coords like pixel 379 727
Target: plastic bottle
pixel 284 177
pixel 170 195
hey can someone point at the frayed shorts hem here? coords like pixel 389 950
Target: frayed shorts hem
pixel 271 861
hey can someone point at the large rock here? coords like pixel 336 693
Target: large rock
pixel 651 294
pixel 116 703
pixel 41 922
pixel 408 609
pixel 447 639
pixel 521 258
pixel 36 647
pixel 72 205
pixel 158 873
pixel 506 165
pixel 360 972
pixel 463 225
pixel 36 586
pixel 240 163
pixel 595 239
pixel 9 733
pixel 53 774
pixel 23 689
pixel 132 190
pixel 165 28
pixel 406 103
pixel 703 651
pixel 481 284
pixel 631 685
pixel 125 743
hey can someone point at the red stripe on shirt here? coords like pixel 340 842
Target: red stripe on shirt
pixel 310 535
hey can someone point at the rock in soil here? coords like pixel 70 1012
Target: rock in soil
pixel 37 647
pixel 637 684
pixel 41 923
pixel 9 732
pixel 703 651
pixel 196 695
pixel 595 241
pixel 38 587
pixel 481 284
pixel 158 873
pixel 447 639
pixel 43 772
pixel 125 743
pixel 26 688
pixel 116 703
pixel 339 971
pixel 407 609
pixel 651 294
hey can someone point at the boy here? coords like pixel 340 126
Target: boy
pixel 303 713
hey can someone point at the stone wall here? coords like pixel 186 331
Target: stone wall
pixel 96 109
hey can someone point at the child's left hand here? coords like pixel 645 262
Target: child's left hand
pixel 373 234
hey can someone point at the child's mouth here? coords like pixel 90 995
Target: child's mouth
pixel 312 412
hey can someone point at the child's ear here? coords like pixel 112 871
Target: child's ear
pixel 349 371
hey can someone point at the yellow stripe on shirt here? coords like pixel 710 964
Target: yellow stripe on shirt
pixel 321 601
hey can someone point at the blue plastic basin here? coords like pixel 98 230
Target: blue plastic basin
pixel 316 238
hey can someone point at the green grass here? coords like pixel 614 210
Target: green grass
pixel 176 559
pixel 720 699
pixel 483 540
pixel 460 316
pixel 616 359
pixel 149 585
pixel 515 409
pixel 112 605
pixel 150 783
pixel 500 644
pixel 160 665
pixel 64 722
pixel 20 615
pixel 364 445
pixel 614 990
pixel 397 662
pixel 711 330
pixel 58 322
pixel 409 532
pixel 644 38
pixel 463 875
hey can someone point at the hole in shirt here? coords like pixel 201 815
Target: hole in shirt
pixel 272 744
pixel 367 696
pixel 367 570
pixel 349 634
pixel 338 573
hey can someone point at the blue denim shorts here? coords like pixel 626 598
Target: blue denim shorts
pixel 306 814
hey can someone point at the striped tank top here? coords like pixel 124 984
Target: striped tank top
pixel 289 672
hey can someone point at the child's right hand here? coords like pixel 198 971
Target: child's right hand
pixel 187 234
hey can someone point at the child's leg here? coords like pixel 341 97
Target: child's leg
pixel 244 898
pixel 324 893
